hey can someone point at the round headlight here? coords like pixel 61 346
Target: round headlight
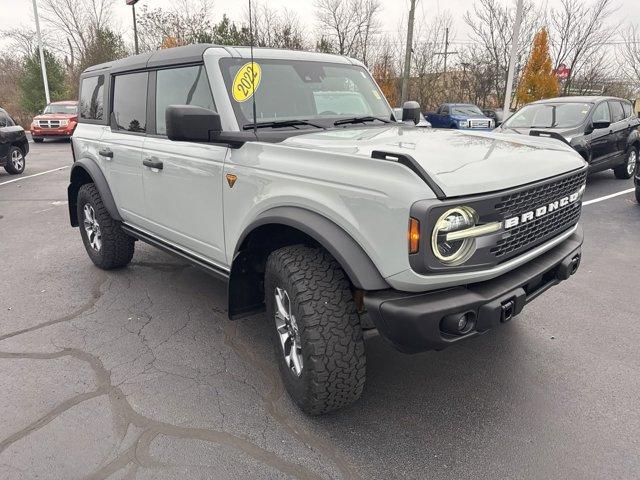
pixel 453 252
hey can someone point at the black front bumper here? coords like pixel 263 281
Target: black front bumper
pixel 413 322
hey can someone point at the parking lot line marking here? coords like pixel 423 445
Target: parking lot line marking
pixel 607 197
pixel 34 175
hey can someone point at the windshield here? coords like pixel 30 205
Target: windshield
pixel 549 115
pixel 320 93
pixel 465 110
pixel 63 109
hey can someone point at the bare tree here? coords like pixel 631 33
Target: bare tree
pixel 427 70
pixel 629 54
pixel 187 21
pixel 579 31
pixel 77 24
pixel 277 29
pixel 491 25
pixel 349 26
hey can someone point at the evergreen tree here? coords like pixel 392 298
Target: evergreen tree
pixel 32 97
pixel 538 79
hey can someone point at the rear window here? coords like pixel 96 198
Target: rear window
pixel 92 98
pixel 628 109
pixel 130 102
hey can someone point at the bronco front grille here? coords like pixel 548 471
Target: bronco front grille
pixel 535 232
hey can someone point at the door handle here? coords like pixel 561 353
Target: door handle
pixel 105 152
pixel 152 163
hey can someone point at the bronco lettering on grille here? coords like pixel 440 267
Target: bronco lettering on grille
pixel 543 210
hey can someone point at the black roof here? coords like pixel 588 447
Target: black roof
pixel 159 58
pixel 578 99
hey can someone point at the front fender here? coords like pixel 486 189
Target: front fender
pixel 347 252
pixel 87 171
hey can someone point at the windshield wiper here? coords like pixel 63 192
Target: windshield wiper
pixel 364 119
pixel 281 124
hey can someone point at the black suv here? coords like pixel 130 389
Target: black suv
pixel 604 130
pixel 14 145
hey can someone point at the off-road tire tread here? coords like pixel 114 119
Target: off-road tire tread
pixel 117 247
pixel 333 347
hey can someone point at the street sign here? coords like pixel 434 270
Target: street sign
pixel 562 72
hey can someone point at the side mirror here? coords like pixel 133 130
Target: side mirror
pixel 411 112
pixel 189 123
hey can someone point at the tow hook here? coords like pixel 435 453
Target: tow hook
pixel 507 309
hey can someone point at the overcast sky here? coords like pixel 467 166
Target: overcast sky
pixel 16 12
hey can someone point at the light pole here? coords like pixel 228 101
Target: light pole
pixel 512 57
pixel 43 65
pixel 407 55
pixel 135 25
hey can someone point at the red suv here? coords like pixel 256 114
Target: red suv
pixel 58 120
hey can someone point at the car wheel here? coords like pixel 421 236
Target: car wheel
pixel 626 170
pixel 15 162
pixel 316 329
pixel 107 245
pixel 38 140
pixel 638 194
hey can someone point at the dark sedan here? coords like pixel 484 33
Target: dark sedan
pixel 14 145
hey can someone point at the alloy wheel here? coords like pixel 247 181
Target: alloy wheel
pixel 631 161
pixel 288 332
pixel 92 228
pixel 17 160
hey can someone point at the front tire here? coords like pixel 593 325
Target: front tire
pixel 107 245
pixel 625 171
pixel 317 332
pixel 15 161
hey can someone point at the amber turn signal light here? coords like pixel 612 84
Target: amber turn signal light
pixel 414 235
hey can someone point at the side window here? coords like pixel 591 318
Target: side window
pixel 628 109
pixel 92 98
pixel 130 102
pixel 181 86
pixel 4 119
pixel 601 113
pixel 445 110
pixel 617 113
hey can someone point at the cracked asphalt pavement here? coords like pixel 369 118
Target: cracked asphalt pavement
pixel 137 373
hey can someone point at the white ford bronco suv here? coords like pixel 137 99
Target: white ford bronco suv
pixel 289 177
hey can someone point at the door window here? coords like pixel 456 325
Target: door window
pixel 5 120
pixel 92 98
pixel 601 113
pixel 628 109
pixel 130 102
pixel 181 86
pixel 617 112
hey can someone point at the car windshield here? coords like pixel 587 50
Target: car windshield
pixel 61 109
pixel 320 93
pixel 549 115
pixel 465 110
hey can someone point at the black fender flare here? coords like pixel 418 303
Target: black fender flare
pixel 348 253
pixel 80 170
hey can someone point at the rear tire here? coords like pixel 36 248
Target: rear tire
pixel 638 194
pixel 107 245
pixel 326 366
pixel 625 171
pixel 15 161
pixel 38 140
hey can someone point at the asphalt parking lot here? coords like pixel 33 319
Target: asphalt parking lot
pixel 137 373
